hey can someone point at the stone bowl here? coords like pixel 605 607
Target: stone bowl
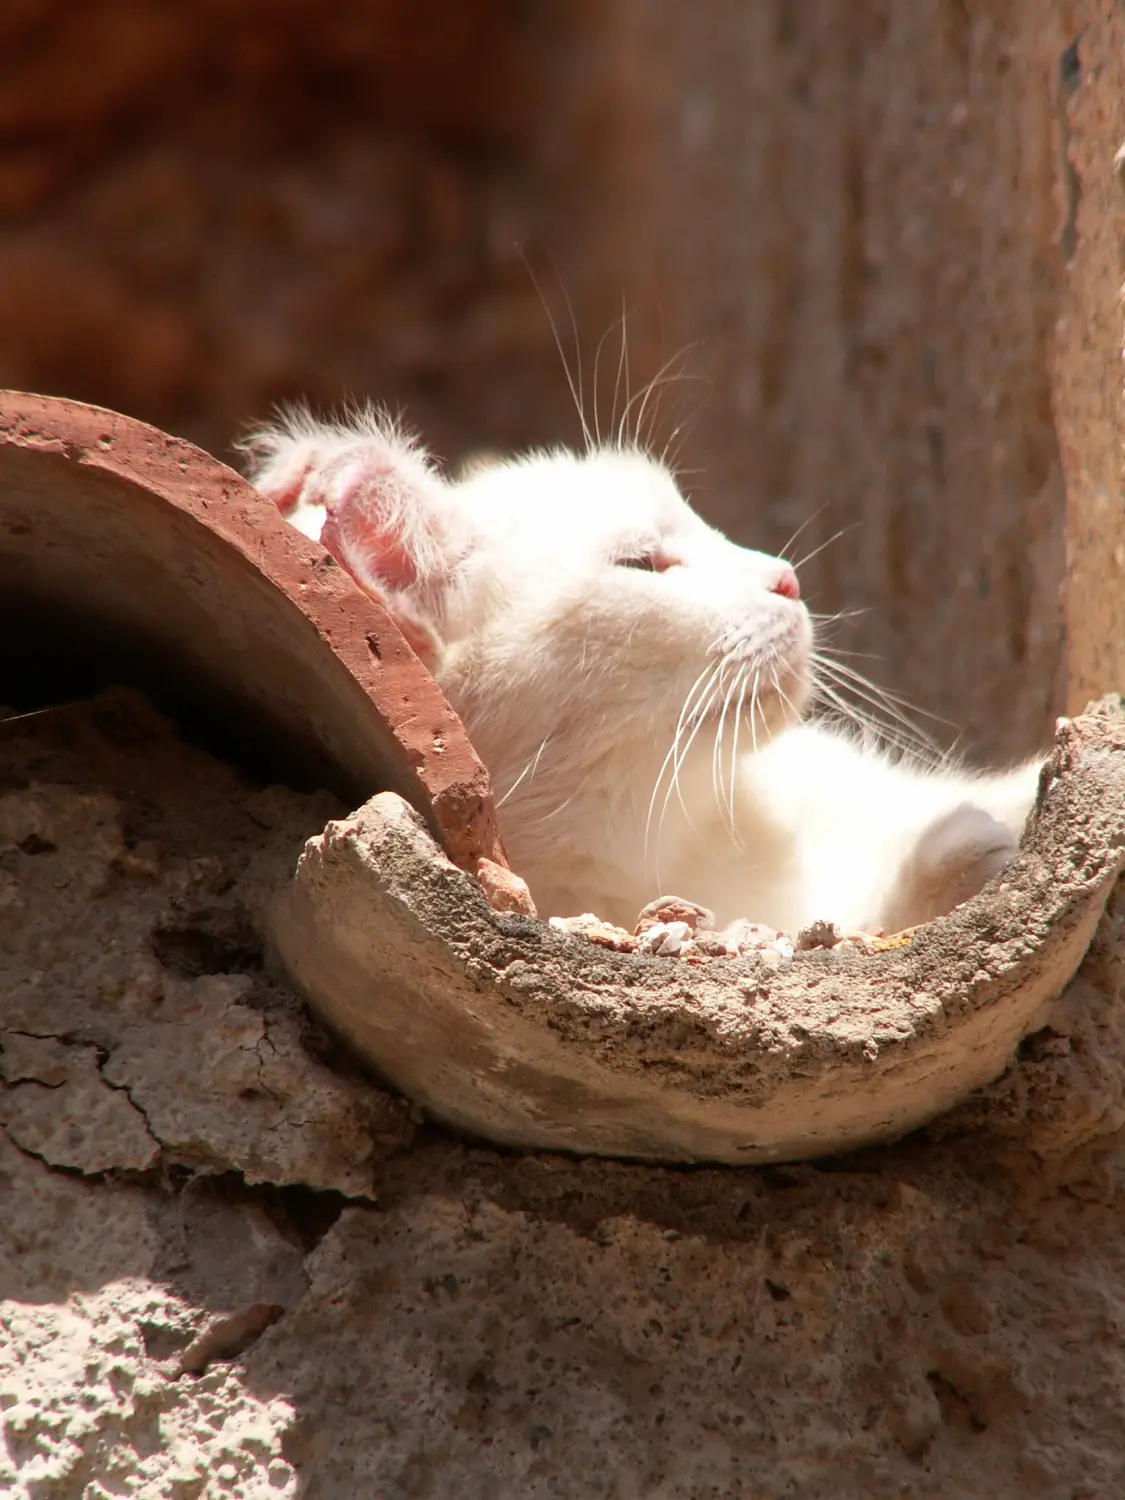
pixel 499 1024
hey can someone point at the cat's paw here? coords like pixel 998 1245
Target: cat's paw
pixel 954 858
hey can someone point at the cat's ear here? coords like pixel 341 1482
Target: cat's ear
pixel 380 509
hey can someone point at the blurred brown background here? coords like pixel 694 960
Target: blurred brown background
pixel 852 223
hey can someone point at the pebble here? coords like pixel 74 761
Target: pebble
pixel 668 909
pixel 503 889
pixel 674 928
pixel 594 930
pixel 818 935
pixel 667 938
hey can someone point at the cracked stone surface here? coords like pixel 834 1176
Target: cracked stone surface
pixel 60 1107
pixel 139 1026
pixel 303 1294
pixel 187 1311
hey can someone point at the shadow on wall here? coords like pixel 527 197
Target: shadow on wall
pixel 846 220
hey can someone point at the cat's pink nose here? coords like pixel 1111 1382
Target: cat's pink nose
pixel 785 583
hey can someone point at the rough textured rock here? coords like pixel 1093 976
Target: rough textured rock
pixel 939 1318
pixel 139 1031
pixel 89 1412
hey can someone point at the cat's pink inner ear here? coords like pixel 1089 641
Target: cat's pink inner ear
pixel 375 557
pixel 287 497
pixel 355 535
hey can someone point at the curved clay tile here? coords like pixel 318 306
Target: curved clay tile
pixel 120 541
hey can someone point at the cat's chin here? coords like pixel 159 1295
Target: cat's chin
pixel 769 716
pixel 778 705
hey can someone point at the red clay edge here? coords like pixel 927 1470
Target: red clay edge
pixel 438 765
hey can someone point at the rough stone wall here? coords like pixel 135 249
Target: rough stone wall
pixel 1088 385
pixel 867 223
pixel 232 1265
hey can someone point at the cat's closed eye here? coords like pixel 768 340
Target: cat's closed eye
pixel 651 561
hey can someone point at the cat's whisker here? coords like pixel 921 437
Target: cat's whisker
pixel 840 614
pixel 597 383
pixel 835 651
pixel 894 729
pixel 700 718
pixel 706 673
pixel 622 367
pixel 645 434
pixel 784 551
pixel 670 453
pixel 695 695
pixel 716 738
pixel 843 673
pixel 574 384
pixel 685 416
pixel 824 623
pixel 785 698
pixel 554 812
pixel 718 783
pixel 835 537
pixel 891 706
pixel 666 375
pixel 735 834
pixel 700 712
pixel 35 713
pixel 842 713
pixel 845 713
pixel 577 362
pixel 873 712
pixel 691 724
pixel 663 375
pixel 829 658
pixel 528 770
pixel 636 438
pixel 754 708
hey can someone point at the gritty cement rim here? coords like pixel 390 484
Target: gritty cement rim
pixel 499 1025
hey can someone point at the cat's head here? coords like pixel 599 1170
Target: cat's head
pixel 557 593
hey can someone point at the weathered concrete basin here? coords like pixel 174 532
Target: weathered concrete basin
pixel 503 1026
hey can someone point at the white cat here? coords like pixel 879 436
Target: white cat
pixel 635 683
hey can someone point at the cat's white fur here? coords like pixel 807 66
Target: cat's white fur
pixel 527 588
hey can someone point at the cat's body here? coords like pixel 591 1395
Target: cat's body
pixel 635 683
